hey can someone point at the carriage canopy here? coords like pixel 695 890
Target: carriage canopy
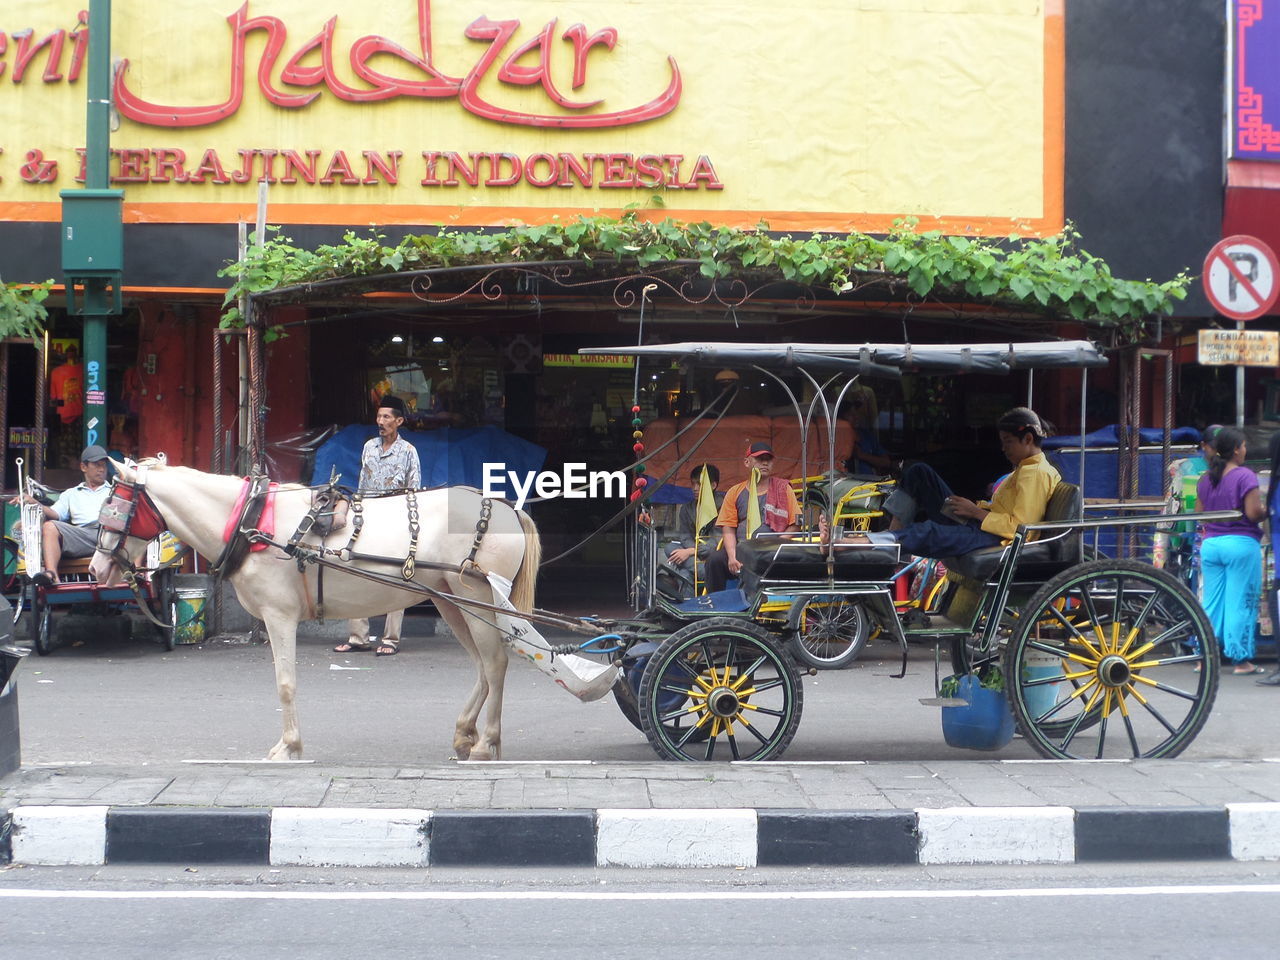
pixel 878 359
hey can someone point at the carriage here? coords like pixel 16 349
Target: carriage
pixel 1098 658
pixel 78 591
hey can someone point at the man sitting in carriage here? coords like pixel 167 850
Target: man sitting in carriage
pixel 70 527
pixel 696 524
pixel 953 525
pixel 758 505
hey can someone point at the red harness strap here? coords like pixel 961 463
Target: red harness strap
pixel 266 523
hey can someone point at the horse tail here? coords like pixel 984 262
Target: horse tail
pixel 527 577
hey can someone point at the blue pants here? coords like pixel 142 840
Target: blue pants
pixel 1231 567
pixel 937 536
pixel 931 538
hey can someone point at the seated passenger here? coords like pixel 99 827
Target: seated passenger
pixel 759 504
pixel 696 520
pixel 954 525
pixel 70 527
pixel 867 457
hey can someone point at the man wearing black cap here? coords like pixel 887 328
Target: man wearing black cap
pixel 71 525
pixel 388 463
pixel 742 516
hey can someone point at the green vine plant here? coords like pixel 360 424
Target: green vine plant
pixel 1051 275
pixel 22 310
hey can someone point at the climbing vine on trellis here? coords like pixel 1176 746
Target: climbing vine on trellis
pixel 1052 275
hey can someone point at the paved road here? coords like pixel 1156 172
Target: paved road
pixel 115 700
pixel 993 913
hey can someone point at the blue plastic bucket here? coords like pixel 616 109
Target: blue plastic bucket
pixel 986 723
pixel 1041 698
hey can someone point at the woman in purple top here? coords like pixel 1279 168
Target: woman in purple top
pixel 1231 554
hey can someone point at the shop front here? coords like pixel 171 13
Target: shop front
pixel 423 117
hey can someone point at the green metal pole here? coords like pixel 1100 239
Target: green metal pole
pixel 98 304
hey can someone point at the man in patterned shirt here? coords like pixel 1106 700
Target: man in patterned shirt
pixel 388 463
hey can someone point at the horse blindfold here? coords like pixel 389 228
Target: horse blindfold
pixel 132 518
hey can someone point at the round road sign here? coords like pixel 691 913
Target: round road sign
pixel 1241 277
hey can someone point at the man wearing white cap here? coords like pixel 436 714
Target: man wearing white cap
pixel 71 525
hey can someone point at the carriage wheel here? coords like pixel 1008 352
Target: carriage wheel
pixel 724 679
pixel 165 608
pixel 1112 659
pixel 41 622
pixel 624 694
pixel 830 632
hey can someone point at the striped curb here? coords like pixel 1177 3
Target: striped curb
pixel 380 837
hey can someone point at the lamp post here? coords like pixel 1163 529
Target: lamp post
pixel 93 230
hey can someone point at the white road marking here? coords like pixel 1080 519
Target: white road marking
pixel 1198 890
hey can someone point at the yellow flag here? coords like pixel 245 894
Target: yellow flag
pixel 706 509
pixel 753 503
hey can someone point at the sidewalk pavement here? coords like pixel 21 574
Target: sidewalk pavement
pixel 643 814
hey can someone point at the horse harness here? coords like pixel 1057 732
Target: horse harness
pixel 130 512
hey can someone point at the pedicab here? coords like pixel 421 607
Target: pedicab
pixel 1098 658
pixel 77 591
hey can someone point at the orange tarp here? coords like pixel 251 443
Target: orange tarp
pixel 728 441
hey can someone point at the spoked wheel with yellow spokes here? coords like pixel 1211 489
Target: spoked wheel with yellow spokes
pixel 720 689
pixel 1112 659
pixel 828 632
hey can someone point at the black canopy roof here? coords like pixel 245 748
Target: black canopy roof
pixel 877 359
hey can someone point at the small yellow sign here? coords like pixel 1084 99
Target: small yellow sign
pixel 1243 348
pixel 595 360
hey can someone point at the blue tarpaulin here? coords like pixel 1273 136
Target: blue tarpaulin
pixel 1102 467
pixel 450 456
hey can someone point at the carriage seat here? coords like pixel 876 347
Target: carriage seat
pixel 1039 560
pixel 792 561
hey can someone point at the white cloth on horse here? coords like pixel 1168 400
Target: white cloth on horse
pixel 585 679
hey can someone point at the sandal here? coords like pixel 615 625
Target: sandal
pixel 1246 669
pixel 349 647
pixel 387 650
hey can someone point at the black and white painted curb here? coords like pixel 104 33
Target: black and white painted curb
pixel 294 836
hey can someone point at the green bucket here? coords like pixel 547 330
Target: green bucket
pixel 191 601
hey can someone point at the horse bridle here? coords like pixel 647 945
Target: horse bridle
pixel 130 512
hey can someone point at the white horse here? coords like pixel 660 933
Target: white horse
pixel 197 506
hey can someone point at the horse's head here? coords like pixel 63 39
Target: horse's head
pixel 129 519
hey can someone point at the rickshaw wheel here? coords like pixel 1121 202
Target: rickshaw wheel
pixel 41 622
pixel 1107 642
pixel 165 608
pixel 830 631
pixel 726 679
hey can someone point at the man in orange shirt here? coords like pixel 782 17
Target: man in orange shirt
pixel 742 516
